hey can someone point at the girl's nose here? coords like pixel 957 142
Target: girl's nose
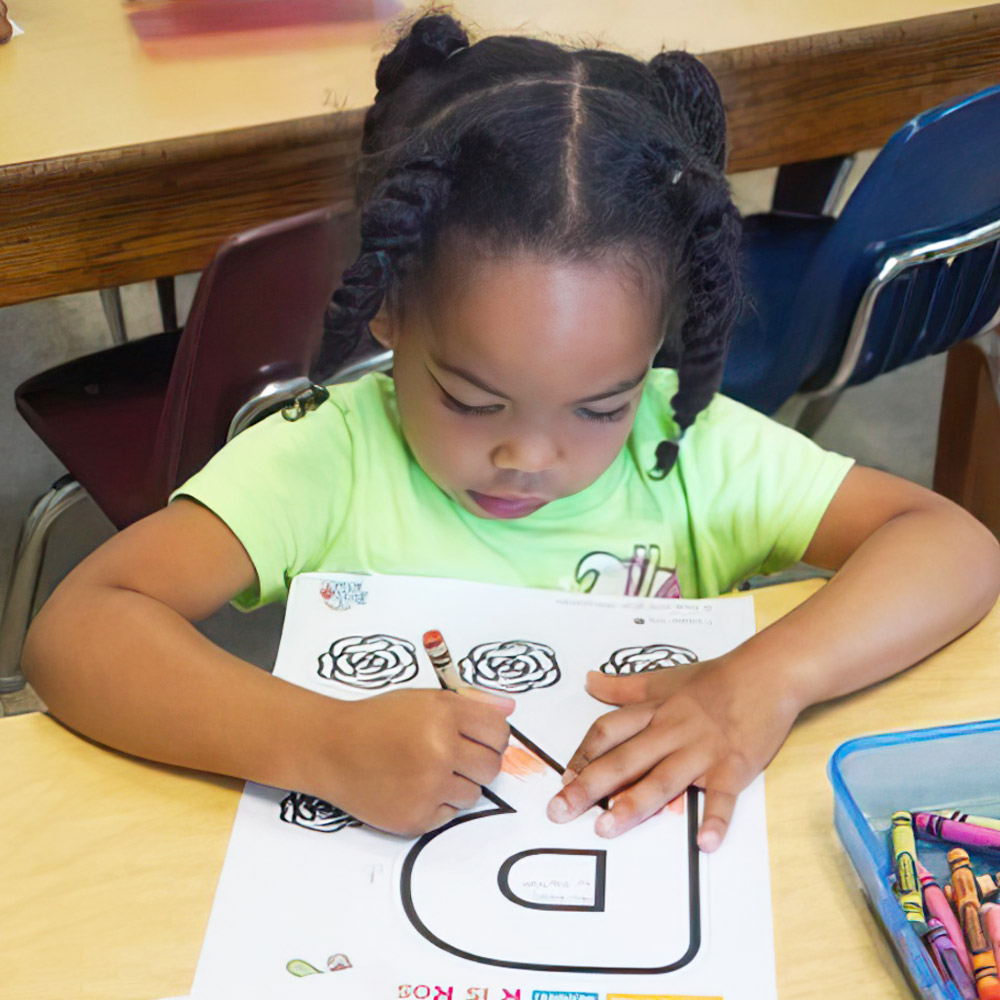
pixel 526 453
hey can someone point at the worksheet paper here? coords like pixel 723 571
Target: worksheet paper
pixel 501 903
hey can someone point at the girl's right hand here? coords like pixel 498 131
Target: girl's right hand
pixel 408 761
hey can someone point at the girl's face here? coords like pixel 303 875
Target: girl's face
pixel 518 379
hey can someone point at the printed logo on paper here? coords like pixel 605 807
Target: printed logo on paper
pixel 342 595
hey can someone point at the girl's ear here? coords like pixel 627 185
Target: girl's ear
pixel 383 329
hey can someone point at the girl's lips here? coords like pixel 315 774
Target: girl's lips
pixel 507 507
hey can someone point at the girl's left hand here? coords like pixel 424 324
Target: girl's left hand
pixel 715 724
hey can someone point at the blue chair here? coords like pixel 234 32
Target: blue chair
pixel 910 267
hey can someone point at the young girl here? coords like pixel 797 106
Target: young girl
pixel 540 227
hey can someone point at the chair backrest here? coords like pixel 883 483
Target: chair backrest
pixel 256 319
pixel 937 178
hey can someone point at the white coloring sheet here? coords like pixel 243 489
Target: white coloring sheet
pixel 499 904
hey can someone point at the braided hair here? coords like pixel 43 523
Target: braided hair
pixel 522 145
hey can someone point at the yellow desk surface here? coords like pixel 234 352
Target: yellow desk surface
pixel 79 79
pixel 109 864
pixel 118 166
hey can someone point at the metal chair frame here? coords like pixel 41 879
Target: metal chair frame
pixel 294 397
pixel 818 402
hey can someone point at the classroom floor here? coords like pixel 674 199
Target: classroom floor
pixel 890 423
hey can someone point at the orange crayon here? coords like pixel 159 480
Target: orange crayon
pixel 987 888
pixel 966 891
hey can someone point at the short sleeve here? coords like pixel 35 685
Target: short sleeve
pixel 756 492
pixel 283 488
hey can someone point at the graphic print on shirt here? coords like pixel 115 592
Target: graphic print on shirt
pixel 639 575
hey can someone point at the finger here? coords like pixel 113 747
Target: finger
pixel 486 728
pixel 635 804
pixel 498 702
pixel 647 686
pixel 722 785
pixel 443 814
pixel 617 769
pixel 460 793
pixel 477 763
pixel 609 731
pixel 716 816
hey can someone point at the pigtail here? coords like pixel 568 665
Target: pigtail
pixel 430 41
pixel 397 222
pixel 693 101
pixel 714 300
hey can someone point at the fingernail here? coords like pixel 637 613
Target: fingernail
pixel 605 825
pixel 568 775
pixel 558 810
pixel 709 840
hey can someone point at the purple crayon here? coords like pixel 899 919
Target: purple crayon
pixel 930 827
pixel 947 960
pixel 937 906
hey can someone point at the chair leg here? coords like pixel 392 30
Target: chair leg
pixel 111 302
pixel 966 469
pixel 166 294
pixel 815 412
pixel 25 574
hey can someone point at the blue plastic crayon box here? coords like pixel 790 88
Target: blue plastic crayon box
pixel 949 767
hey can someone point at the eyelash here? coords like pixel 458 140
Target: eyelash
pixel 595 416
pixel 604 418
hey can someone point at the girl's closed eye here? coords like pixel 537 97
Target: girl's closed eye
pixel 604 416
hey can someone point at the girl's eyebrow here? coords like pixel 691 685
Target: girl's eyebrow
pixel 624 386
pixel 629 383
pixel 469 377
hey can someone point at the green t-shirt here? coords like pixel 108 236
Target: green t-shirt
pixel 340 490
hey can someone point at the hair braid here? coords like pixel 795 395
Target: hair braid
pixel 693 103
pixel 714 301
pixel 396 224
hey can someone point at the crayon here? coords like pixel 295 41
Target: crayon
pixel 444 666
pixel 928 826
pixel 450 679
pixel 904 850
pixel 936 906
pixel 963 882
pixel 990 913
pixel 987 888
pixel 946 959
pixel 960 817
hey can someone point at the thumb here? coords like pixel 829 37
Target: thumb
pixel 654 684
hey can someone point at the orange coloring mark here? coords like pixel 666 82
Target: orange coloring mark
pixel 521 763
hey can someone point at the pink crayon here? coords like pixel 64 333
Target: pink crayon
pixel 937 907
pixel 960 817
pixel 931 827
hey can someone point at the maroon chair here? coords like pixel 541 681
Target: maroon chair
pixel 133 422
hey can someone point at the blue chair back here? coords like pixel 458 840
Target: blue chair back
pixel 937 178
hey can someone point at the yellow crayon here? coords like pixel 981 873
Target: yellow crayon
pixel 966 891
pixel 904 850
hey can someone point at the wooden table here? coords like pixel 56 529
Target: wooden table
pixel 118 167
pixel 110 863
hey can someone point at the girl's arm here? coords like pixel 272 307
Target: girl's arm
pixel 114 655
pixel 913 572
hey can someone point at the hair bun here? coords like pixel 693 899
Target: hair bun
pixel 692 96
pixel 426 45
